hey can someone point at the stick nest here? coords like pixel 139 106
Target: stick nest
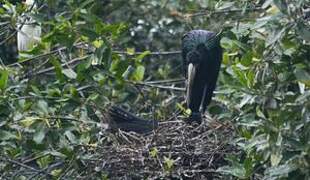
pixel 174 150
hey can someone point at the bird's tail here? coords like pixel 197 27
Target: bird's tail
pixel 118 118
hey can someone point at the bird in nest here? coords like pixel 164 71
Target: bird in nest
pixel 202 56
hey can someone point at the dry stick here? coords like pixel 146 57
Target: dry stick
pixel 158 86
pixel 166 81
pixel 26 166
pixel 149 85
pixel 37 57
pixel 8 38
pixel 117 52
pixel 46 169
pixel 75 60
pixel 151 53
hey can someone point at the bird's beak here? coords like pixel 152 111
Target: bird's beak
pixel 191 73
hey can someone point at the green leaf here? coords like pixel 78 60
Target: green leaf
pixel 55 153
pixel 275 158
pixel 266 4
pixel 58 69
pixel 304 31
pixel 44 161
pixel 226 5
pixel 7 135
pixel 98 43
pixel 4 76
pixel 246 59
pixel 225 58
pixel 302 76
pixel 71 137
pixel 36 90
pixel 139 73
pixel 39 135
pixel 168 163
pixel 130 51
pixel 102 52
pixel 129 71
pixel 237 170
pixel 42 106
pixel 69 73
pixel 240 75
pixel 141 56
pixel 28 121
pixel 259 113
pixel 280 171
pixel 154 152
pixel 281 4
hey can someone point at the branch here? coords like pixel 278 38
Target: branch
pixel 8 38
pixel 73 61
pixel 210 13
pixel 152 53
pixel 117 52
pixel 158 86
pixel 26 166
pixel 166 81
pixel 37 57
pixel 146 84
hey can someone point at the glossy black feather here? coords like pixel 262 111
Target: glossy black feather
pixel 126 121
pixel 202 49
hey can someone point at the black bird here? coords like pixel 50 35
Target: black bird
pixel 119 118
pixel 202 56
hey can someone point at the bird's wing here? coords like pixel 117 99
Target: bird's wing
pixel 118 118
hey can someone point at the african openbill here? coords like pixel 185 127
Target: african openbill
pixel 202 56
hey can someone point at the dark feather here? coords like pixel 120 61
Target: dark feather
pixel 202 49
pixel 126 121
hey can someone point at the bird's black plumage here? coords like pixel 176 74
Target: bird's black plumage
pixel 202 56
pixel 118 118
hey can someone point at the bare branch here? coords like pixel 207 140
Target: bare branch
pixel 225 11
pixel 162 53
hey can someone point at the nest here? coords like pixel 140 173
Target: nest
pixel 174 149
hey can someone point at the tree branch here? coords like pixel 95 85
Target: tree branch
pixel 151 53
pixel 210 12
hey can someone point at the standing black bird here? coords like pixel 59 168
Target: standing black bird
pixel 202 56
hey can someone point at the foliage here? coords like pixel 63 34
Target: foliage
pixel 99 52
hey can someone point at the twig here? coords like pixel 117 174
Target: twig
pixel 166 81
pixel 210 13
pixel 73 61
pixel 8 38
pixel 158 86
pixel 26 166
pixel 48 168
pixel 151 53
pixel 37 57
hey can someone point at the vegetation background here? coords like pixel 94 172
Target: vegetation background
pixel 95 53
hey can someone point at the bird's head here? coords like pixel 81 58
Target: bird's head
pixel 196 54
